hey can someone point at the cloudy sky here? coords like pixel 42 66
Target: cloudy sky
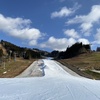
pixel 50 24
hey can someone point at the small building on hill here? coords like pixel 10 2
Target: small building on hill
pixel 98 49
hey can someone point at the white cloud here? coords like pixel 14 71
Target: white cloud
pixel 61 44
pixel 71 33
pixel 19 28
pixel 97 37
pixel 58 43
pixel 84 41
pixel 87 21
pixel 64 12
pixel 32 42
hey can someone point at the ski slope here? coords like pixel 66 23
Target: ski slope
pixel 56 84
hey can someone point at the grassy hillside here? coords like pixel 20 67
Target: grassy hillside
pixel 13 68
pixel 84 64
pixel 15 59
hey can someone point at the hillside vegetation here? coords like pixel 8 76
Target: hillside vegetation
pixel 13 50
pixel 84 64
pixel 72 51
pixel 15 59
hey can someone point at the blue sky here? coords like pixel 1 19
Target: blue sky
pixel 50 24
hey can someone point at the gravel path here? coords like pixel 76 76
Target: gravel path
pixel 32 71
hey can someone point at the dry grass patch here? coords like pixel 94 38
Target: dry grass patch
pixel 13 68
pixel 83 64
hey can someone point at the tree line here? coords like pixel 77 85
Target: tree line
pixel 74 50
pixel 13 50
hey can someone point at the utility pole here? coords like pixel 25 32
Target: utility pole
pixel 10 53
pixel 14 56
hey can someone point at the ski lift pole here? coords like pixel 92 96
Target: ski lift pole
pixel 14 56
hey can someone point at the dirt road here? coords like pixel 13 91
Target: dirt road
pixel 32 71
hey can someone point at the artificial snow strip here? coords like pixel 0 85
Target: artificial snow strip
pixel 55 84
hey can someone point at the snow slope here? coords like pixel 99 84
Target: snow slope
pixel 56 84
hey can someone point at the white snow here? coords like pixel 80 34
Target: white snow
pixel 97 71
pixel 56 84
